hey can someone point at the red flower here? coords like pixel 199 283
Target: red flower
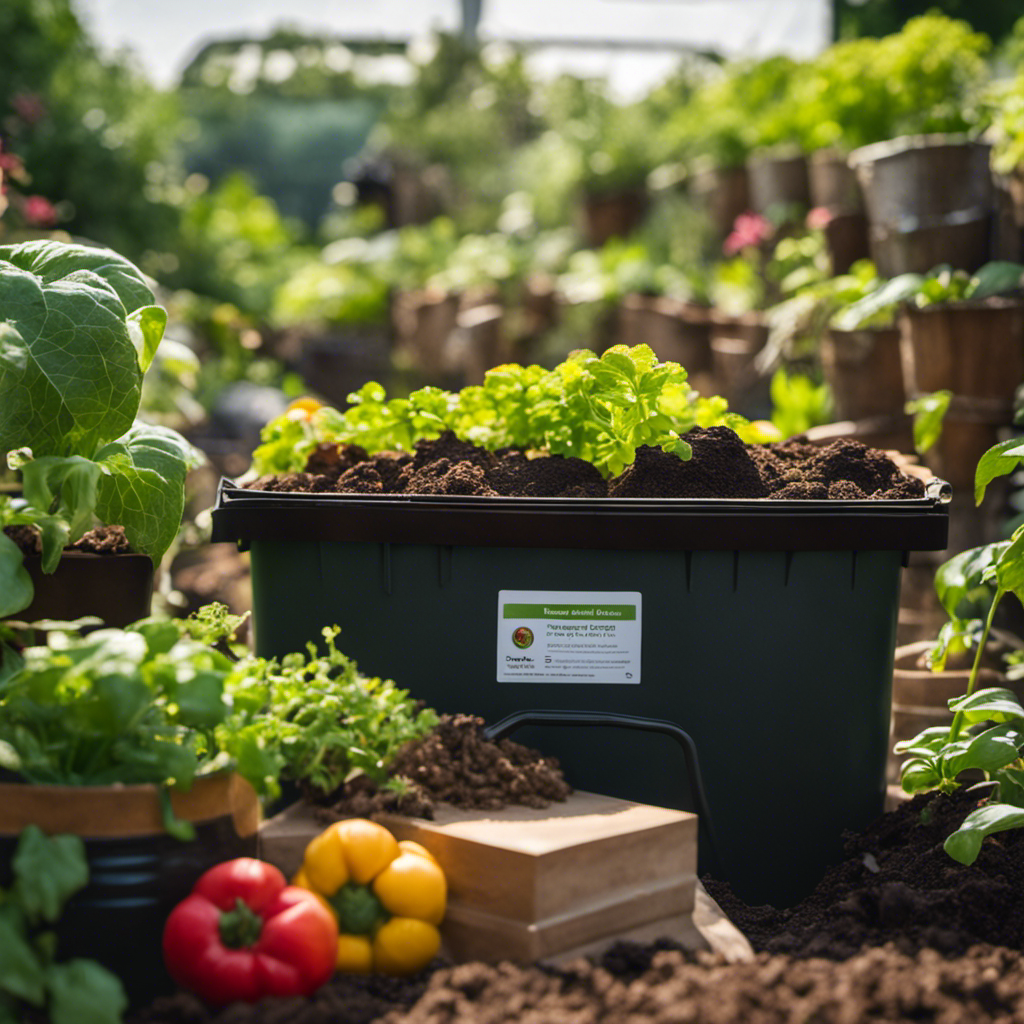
pixel 749 229
pixel 818 218
pixel 39 212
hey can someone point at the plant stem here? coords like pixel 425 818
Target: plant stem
pixel 958 718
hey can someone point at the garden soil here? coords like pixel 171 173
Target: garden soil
pixel 895 932
pixel 457 764
pixel 721 466
pixel 104 540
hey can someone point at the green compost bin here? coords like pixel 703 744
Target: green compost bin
pixel 764 630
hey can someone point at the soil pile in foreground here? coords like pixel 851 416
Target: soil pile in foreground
pixel 721 466
pixel 680 988
pixel 898 885
pixel 457 764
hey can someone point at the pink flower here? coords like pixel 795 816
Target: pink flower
pixel 749 229
pixel 818 218
pixel 39 212
pixel 29 106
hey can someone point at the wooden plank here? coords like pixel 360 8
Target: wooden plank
pixel 542 862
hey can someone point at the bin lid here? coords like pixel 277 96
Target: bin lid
pixel 680 524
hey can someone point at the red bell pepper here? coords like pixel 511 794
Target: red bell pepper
pixel 243 933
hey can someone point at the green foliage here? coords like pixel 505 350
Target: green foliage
pixel 78 332
pixel 598 409
pixel 993 717
pixel 236 247
pixel 317 720
pixel 89 129
pixel 940 285
pixel 928 412
pixel 798 403
pixel 133 706
pixel 47 873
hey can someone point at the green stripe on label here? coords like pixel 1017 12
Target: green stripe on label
pixel 619 612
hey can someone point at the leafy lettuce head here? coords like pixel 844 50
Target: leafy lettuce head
pixel 77 330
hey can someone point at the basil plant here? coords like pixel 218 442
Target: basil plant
pixel 78 328
pixel 987 732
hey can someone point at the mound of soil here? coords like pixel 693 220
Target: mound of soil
pixel 345 999
pixel 104 540
pixel 721 466
pixel 677 988
pixel 457 764
pixel 898 885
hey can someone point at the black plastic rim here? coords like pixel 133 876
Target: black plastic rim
pixel 681 524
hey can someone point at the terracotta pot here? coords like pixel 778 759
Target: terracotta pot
pixel 863 369
pixel 137 872
pixel 833 182
pixel 479 341
pixel 974 349
pixel 116 588
pixel 723 193
pixel 929 200
pixel 846 236
pixel 678 332
pixel 735 341
pixel 778 181
pixel 612 215
pixel 424 321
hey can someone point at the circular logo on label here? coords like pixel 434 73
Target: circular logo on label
pixel 522 637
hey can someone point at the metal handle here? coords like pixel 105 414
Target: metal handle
pixel 510 723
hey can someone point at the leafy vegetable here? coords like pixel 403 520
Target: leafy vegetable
pixel 598 409
pixel 48 872
pixel 994 716
pixel 150 703
pixel 77 331
pixel 316 719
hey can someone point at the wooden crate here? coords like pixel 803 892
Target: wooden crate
pixel 529 884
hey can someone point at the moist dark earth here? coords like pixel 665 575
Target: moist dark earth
pixel 721 466
pixel 104 540
pixel 895 932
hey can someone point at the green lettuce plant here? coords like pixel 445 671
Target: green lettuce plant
pixel 600 409
pixel 78 328
pixel 987 731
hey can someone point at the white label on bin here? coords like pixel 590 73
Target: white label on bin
pixel 568 636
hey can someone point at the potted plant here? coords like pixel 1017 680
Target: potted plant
pixel 959 333
pixel 113 737
pixel 79 329
pixel 437 566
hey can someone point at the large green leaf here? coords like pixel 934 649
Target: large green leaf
pixel 994 704
pixel 999 460
pixel 85 992
pixel 15 582
pixel 143 486
pixel 21 974
pixel 964 844
pixel 959 582
pixel 48 872
pixel 70 378
pixel 1010 567
pixel 994 278
pixel 52 261
pixel 988 751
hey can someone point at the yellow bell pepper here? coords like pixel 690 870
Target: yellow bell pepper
pixel 388 896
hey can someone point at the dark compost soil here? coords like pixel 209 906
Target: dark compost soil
pixel 457 764
pixel 896 932
pixel 104 540
pixel 722 466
